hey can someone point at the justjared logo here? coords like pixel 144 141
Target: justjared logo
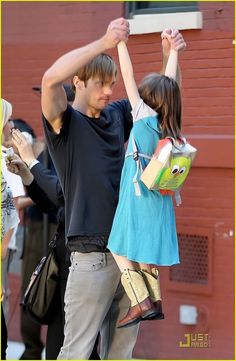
pixel 195 340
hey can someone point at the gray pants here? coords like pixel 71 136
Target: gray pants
pixel 94 302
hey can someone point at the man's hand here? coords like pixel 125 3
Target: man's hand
pixel 23 146
pixel 172 39
pixel 118 30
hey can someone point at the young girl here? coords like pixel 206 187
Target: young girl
pixel 144 230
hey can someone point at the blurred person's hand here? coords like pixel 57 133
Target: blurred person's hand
pixel 17 166
pixel 22 146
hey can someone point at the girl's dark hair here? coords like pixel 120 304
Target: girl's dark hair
pixel 162 94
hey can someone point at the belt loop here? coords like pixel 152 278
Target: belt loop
pixel 71 257
pixel 104 259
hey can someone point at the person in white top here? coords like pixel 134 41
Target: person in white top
pixel 15 184
pixel 9 215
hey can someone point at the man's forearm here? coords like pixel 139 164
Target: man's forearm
pixel 67 65
pixel 164 62
pixel 179 76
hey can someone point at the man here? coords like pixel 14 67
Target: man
pixel 86 142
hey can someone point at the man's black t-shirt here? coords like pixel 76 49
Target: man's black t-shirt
pixel 88 155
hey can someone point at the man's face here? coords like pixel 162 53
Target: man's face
pixel 97 93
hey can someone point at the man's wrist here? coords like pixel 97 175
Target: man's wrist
pixel 165 57
pixel 103 44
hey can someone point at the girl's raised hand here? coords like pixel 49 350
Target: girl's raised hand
pixel 23 146
pixel 172 40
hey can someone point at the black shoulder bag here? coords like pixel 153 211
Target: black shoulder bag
pixel 42 287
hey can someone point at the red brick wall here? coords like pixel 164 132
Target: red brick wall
pixel 35 34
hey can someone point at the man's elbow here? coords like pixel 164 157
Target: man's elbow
pixel 48 80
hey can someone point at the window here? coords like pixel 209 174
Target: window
pixel 159 7
pixel 154 16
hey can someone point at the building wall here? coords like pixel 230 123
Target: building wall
pixel 35 34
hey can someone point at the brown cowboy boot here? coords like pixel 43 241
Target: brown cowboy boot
pixel 153 285
pixel 136 290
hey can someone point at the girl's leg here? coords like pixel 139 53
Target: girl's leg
pixel 145 267
pixel 152 280
pixel 136 290
pixel 123 263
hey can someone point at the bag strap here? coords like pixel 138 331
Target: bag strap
pixel 178 199
pixel 136 156
pixel 52 243
pixel 177 144
pixel 138 167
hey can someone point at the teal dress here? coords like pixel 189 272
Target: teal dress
pixel 144 228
